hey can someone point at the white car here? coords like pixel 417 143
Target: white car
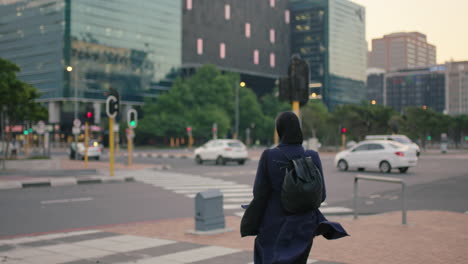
pixel 384 155
pixel 398 138
pixel 94 150
pixel 222 151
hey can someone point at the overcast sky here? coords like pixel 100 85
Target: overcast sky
pixel 444 22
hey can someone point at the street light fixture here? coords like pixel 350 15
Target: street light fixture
pixel 69 69
pixel 373 102
pixel 241 84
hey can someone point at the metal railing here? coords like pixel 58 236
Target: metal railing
pixel 380 179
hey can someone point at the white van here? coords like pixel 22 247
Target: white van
pixel 398 138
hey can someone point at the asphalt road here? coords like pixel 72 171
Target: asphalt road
pixel 439 182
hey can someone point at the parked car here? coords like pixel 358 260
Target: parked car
pixel 94 150
pixel 384 155
pixel 398 138
pixel 222 151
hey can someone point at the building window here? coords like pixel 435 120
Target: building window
pixel 286 16
pixel 272 3
pixel 247 30
pixel 256 55
pixel 189 4
pixel 227 12
pixel 272 60
pixel 272 35
pixel 199 46
pixel 222 50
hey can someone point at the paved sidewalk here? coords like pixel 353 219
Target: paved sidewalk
pixel 430 237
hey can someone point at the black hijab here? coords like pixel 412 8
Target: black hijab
pixel 289 128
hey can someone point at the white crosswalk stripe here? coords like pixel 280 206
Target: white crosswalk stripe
pixel 234 194
pixel 112 246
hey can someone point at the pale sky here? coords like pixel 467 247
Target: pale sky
pixel 445 23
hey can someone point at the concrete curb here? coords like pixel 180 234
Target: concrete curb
pixel 52 182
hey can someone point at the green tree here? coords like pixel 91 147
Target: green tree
pixel 207 97
pixel 17 100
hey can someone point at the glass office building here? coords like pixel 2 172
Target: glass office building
pixel 330 35
pixel 131 46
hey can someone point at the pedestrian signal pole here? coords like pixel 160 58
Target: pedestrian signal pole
pixel 88 120
pixel 112 109
pixel 343 138
pixel 190 138
pixel 132 120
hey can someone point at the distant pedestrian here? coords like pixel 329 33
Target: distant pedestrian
pixel 283 237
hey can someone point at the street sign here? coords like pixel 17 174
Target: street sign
pixel 76 123
pixel 76 130
pixel 132 118
pixel 40 127
pixel 130 133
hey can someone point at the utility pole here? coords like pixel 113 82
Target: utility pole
pixel 236 128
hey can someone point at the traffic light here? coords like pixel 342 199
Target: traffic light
pixel 26 132
pixel 343 130
pixel 295 87
pixel 298 72
pixel 429 138
pixel 113 103
pixel 132 118
pixel 89 114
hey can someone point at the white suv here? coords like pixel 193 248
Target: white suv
pixel 222 151
pixel 398 138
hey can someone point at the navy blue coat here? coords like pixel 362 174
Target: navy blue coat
pixel 282 237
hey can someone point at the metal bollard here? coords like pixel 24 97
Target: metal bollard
pixel 381 179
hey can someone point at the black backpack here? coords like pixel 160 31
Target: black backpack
pixel 302 187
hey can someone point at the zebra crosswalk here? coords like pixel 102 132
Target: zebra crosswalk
pixel 234 194
pixel 96 246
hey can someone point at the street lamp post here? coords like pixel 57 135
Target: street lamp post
pixel 75 114
pixel 241 84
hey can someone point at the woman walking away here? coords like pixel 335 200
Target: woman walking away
pixel 283 236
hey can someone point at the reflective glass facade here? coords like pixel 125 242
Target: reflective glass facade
pixel 132 46
pixel 128 45
pixel 330 35
pixel 418 87
pixel 31 35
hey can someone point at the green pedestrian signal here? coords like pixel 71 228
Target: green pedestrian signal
pixel 26 132
pixel 429 137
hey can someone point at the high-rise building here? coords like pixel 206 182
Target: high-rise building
pixel 423 87
pixel 457 88
pixel 132 46
pixel 330 36
pixel 402 50
pixel 375 85
pixel 138 47
pixel 243 36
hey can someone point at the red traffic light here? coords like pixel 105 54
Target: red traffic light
pixel 189 129
pixel 343 130
pixel 89 114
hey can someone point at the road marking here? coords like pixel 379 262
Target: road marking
pixel 189 256
pixel 207 186
pixel 46 237
pixel 238 200
pixel 72 200
pixel 240 190
pixel 335 210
